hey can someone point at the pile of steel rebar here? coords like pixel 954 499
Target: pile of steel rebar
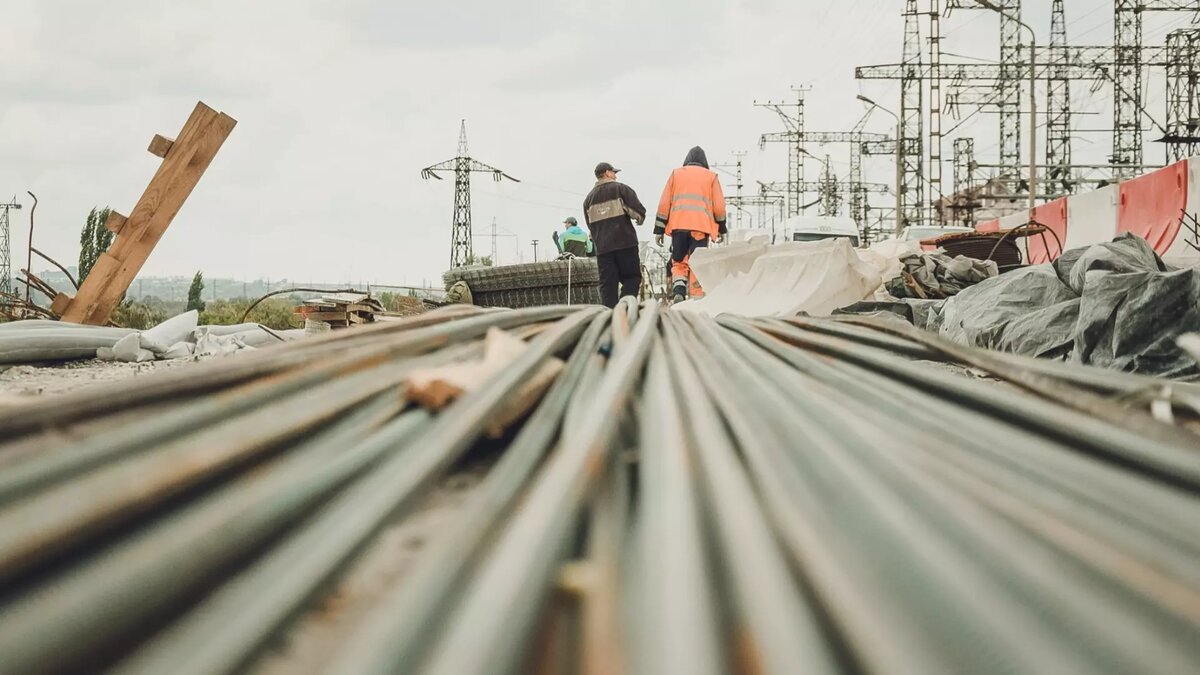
pixel 690 495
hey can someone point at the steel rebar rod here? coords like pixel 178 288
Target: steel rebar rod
pixel 149 575
pixel 394 637
pixel 502 600
pixel 233 623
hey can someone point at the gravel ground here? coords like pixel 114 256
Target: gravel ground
pixel 20 382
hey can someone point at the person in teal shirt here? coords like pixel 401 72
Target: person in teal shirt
pixel 574 240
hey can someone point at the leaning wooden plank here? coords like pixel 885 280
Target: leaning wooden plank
pixel 159 205
pixel 191 153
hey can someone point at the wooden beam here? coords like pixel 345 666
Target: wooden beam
pixel 160 145
pixel 115 223
pixel 191 153
pixel 60 303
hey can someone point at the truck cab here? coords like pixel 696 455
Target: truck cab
pixel 816 228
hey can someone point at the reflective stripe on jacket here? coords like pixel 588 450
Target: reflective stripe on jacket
pixel 692 200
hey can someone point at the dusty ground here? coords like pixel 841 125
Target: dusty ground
pixel 19 382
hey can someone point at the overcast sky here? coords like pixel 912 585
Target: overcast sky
pixel 341 103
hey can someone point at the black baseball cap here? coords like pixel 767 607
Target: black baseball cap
pixel 603 167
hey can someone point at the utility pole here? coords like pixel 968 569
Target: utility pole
pixel 461 247
pixel 831 196
pixel 1006 20
pixel 909 142
pixel 858 141
pixel 998 87
pixel 738 201
pixel 535 243
pixel 494 240
pixel 899 188
pixel 935 112
pixel 794 137
pixel 1183 94
pixel 965 203
pixel 5 247
pixel 1058 106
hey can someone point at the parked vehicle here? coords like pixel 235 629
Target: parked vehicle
pixel 816 228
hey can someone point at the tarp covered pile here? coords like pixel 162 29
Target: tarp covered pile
pixel 1115 305
pixel 938 275
pixel 178 337
pixel 756 279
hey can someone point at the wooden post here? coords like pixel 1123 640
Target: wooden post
pixel 184 162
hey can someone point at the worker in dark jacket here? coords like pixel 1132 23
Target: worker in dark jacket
pixel 611 209
pixel 692 213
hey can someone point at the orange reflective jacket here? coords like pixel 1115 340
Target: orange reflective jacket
pixel 692 201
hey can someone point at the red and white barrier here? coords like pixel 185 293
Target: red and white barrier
pixel 1152 206
pixel 1093 217
pixel 1046 247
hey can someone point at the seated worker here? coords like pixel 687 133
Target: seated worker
pixel 574 240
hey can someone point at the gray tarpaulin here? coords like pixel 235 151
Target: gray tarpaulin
pixel 938 275
pixel 1114 305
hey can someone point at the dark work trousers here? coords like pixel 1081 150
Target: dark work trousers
pixel 683 244
pixel 621 266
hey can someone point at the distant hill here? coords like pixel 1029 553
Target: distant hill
pixel 174 289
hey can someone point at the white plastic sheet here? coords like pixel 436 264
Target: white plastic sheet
pixel 813 277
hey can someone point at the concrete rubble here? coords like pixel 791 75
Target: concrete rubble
pixel 39 340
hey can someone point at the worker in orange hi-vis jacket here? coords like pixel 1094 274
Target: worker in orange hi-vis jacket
pixel 692 213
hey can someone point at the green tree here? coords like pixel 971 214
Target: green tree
pixel 277 312
pixel 139 315
pixel 195 292
pixel 93 240
pixel 479 260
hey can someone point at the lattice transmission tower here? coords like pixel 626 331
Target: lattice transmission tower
pixel 462 251
pixel 793 122
pixel 998 88
pixel 5 247
pixel 1183 94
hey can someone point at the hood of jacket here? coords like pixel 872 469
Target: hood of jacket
pixel 696 157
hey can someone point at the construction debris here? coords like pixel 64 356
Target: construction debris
pixel 937 275
pixel 572 281
pixel 37 341
pixel 809 496
pixel 1114 305
pixel 341 310
pixel 184 162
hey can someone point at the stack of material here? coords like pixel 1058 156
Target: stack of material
pixel 340 310
pixel 937 275
pixel 1115 305
pixel 572 281
pixel 809 496
pixel 998 246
